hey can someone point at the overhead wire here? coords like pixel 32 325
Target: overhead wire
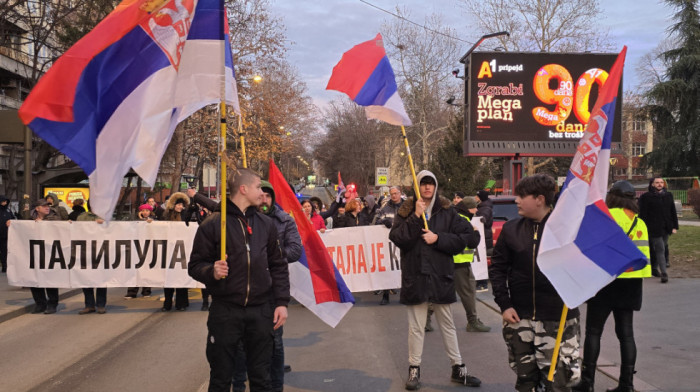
pixel 414 23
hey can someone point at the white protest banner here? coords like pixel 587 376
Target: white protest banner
pixel 480 267
pixel 88 254
pixel 365 257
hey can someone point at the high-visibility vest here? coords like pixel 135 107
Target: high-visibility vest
pixel 467 255
pixel 639 236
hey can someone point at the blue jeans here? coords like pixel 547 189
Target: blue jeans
pixel 276 366
pixel 90 297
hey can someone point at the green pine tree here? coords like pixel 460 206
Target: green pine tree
pixel 675 101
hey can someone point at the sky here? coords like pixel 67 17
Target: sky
pixel 319 31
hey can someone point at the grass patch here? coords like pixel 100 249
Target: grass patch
pixel 688 214
pixel 684 248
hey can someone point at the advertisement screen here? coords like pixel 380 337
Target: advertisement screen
pixel 533 103
pixel 68 194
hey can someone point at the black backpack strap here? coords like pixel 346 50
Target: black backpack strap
pixel 634 224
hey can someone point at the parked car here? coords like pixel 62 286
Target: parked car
pixel 504 209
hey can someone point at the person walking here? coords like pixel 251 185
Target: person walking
pixel 427 268
pixel 351 218
pixel 95 298
pixel 45 299
pixel 315 219
pixel 145 214
pixel 77 210
pixel 464 276
pixel 621 297
pixel 5 216
pixel 290 243
pixel 385 216
pixel 531 308
pixel 484 209
pixel 176 210
pixel 241 285
pixel 658 211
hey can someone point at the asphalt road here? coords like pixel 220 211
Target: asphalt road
pixel 135 347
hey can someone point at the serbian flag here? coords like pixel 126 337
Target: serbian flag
pixel 314 280
pixel 341 185
pixel 365 75
pixel 583 248
pixel 112 101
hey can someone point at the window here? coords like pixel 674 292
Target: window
pixel 639 149
pixel 620 171
pixel 638 171
pixel 639 125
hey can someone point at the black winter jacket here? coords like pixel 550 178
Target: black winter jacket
pixel 427 271
pixel 386 214
pixel 658 211
pixel 257 269
pixel 485 211
pixel 517 280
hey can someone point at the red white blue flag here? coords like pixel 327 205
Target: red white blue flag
pixel 365 75
pixel 583 248
pixel 314 280
pixel 112 101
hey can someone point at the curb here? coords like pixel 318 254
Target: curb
pixel 28 308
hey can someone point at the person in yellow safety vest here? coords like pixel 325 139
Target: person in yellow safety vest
pixel 621 297
pixel 465 284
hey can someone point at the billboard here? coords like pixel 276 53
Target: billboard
pixel 533 104
pixel 67 194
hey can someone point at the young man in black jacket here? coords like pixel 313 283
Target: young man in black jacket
pixel 530 306
pixel 427 272
pixel 241 286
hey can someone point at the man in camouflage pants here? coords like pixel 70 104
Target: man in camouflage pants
pixel 530 306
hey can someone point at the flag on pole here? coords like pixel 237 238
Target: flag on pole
pixel 341 186
pixel 583 248
pixel 314 280
pixel 112 101
pixel 365 75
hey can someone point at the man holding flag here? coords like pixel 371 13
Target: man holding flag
pixel 242 285
pixel 529 304
pixel 427 270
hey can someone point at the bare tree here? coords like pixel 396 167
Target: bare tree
pixel 422 62
pixel 545 25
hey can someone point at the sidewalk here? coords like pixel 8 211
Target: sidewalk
pixel 16 301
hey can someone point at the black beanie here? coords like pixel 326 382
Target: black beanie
pixel 482 195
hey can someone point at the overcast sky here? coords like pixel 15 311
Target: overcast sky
pixel 320 31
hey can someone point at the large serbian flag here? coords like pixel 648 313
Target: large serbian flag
pixel 314 280
pixel 365 75
pixel 582 248
pixel 112 101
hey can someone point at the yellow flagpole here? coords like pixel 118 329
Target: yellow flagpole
pixel 222 110
pixel 557 344
pixel 240 132
pixel 413 172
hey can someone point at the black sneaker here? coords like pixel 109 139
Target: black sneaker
pixel 413 382
pixel 460 375
pixel 50 309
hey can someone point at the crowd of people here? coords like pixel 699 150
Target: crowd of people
pixel 437 244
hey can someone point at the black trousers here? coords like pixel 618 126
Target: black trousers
pixel 40 295
pixel 230 324
pixel 596 315
pixel 181 299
